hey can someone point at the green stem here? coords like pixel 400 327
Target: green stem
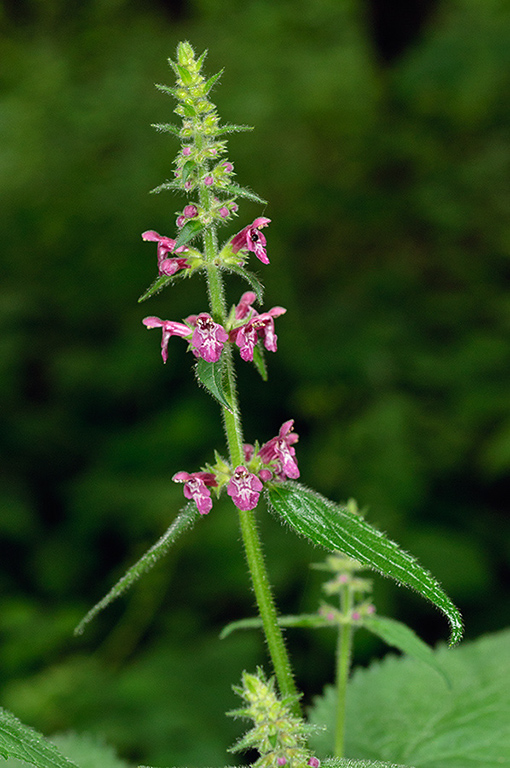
pixel 343 665
pixel 250 536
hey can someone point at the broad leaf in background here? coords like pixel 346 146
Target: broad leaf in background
pixel 393 633
pixel 210 375
pixel 397 711
pixel 186 517
pixel 21 742
pixel 400 636
pixel 334 528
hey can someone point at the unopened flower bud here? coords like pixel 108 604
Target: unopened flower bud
pixel 190 211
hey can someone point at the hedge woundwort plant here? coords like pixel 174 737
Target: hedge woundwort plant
pixel 216 337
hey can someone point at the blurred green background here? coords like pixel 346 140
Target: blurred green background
pixel 382 145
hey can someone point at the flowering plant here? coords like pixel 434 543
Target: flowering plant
pixel 266 467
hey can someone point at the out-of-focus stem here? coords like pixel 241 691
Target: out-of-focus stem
pixel 343 665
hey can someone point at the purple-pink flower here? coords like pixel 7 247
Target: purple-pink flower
pixel 166 245
pixel 279 451
pixel 196 487
pixel 208 337
pixel 244 487
pixel 169 328
pixel 252 239
pixel 257 326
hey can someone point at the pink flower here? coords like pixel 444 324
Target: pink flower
pixel 196 488
pixel 169 328
pixel 279 449
pixel 258 325
pixel 166 245
pixel 244 488
pixel 251 239
pixel 209 181
pixel 208 337
pixel 314 762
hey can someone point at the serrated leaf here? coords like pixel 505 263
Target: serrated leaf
pixel 186 517
pixel 190 230
pixel 259 360
pixel 397 711
pixel 21 742
pixel 250 278
pixel 210 375
pixel 334 528
pixel 236 191
pixel 167 128
pixel 400 636
pixel 159 284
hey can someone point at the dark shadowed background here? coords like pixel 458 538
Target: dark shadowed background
pixel 382 145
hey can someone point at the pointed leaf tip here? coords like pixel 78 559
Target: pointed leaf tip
pixel 333 527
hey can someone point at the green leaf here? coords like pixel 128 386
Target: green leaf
pixel 304 621
pixel 236 191
pixel 400 636
pixel 167 128
pixel 186 517
pixel 185 76
pixel 23 743
pixel 210 375
pixel 397 711
pixel 167 89
pixel 166 185
pixel 88 751
pixel 212 80
pixel 334 528
pixel 231 128
pixel 259 360
pixel 250 278
pixel 160 283
pixel 187 169
pixel 190 230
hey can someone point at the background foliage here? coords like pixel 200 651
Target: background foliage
pixel 387 175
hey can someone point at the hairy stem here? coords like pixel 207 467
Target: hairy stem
pixel 343 665
pixel 250 536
